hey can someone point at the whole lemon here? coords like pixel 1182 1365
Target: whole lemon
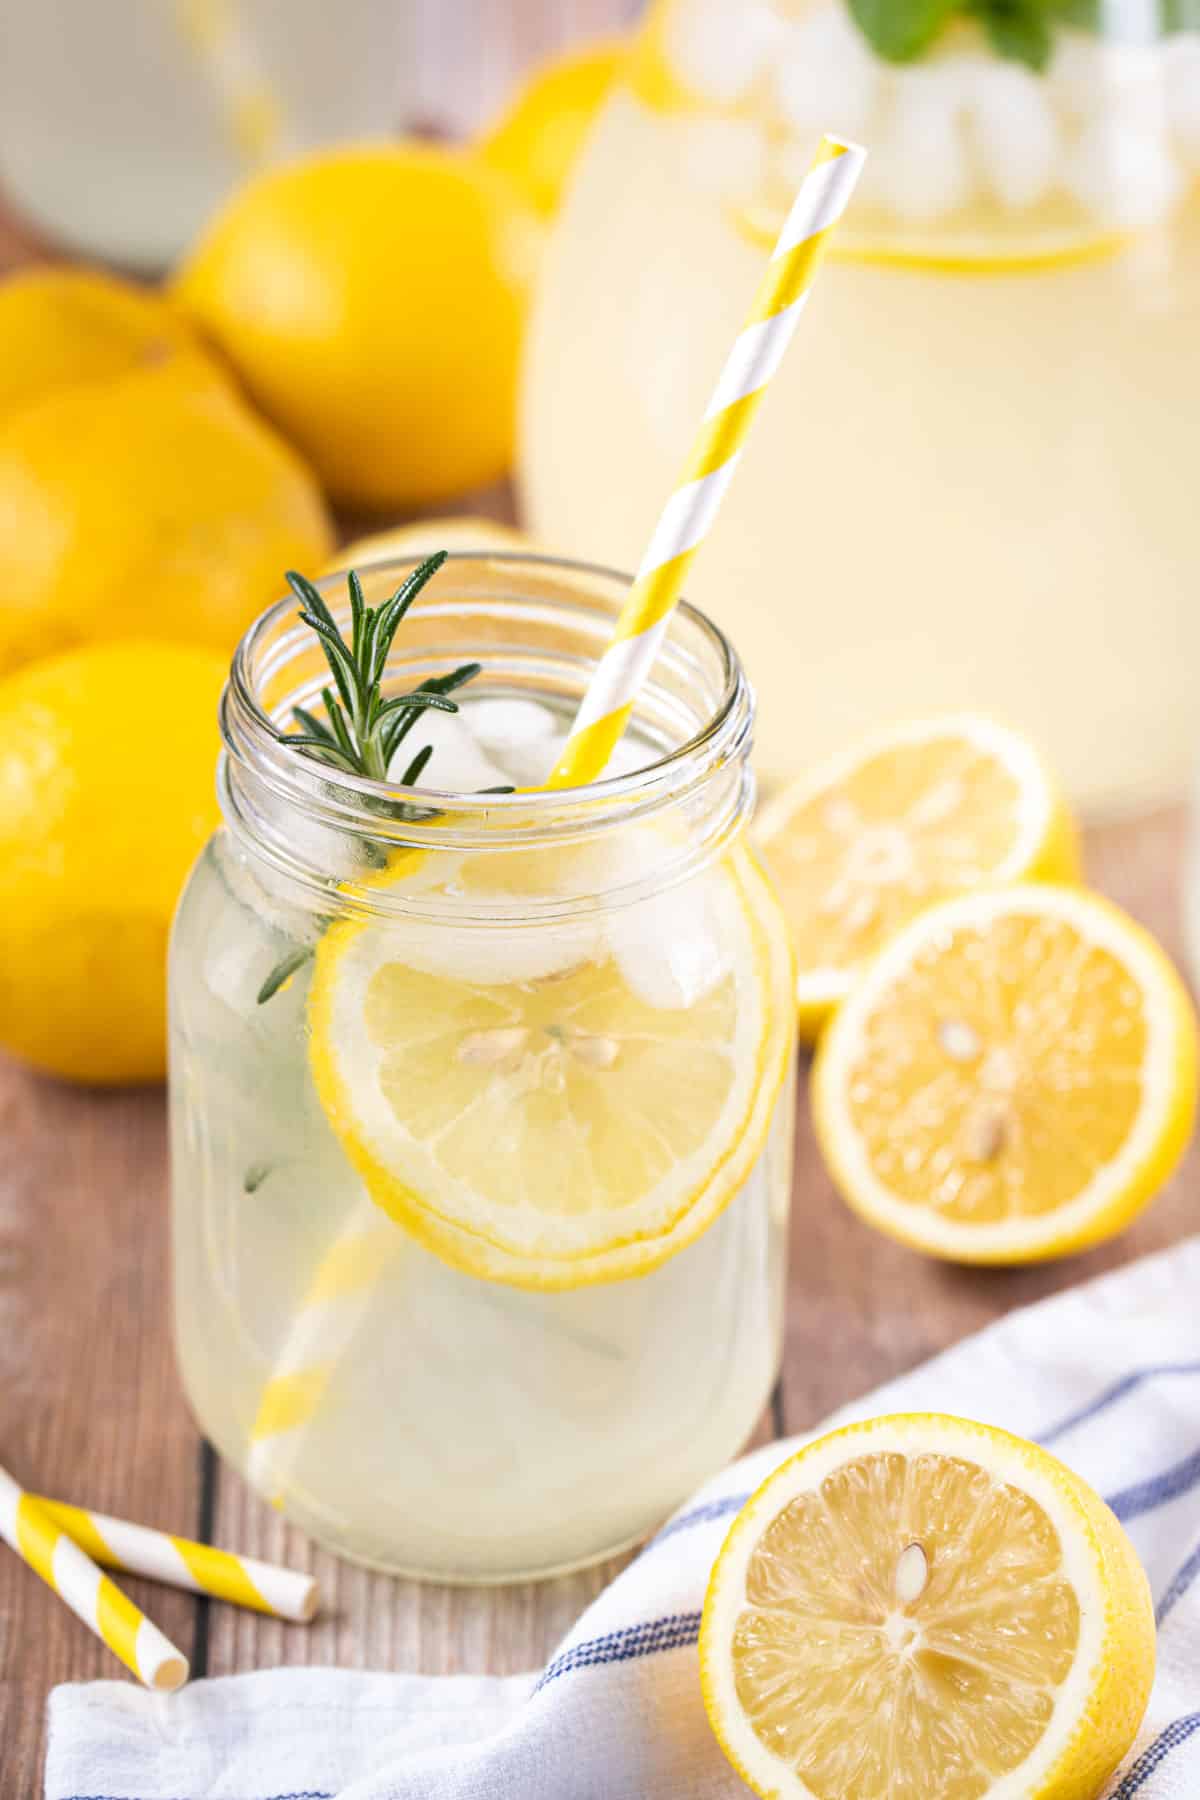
pixel 150 505
pixel 538 138
pixel 372 301
pixel 106 798
pixel 64 326
pixel 461 532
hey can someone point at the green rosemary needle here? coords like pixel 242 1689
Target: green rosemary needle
pixel 361 731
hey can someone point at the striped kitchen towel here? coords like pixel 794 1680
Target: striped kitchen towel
pixel 1107 1374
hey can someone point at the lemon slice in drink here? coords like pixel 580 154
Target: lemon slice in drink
pixel 1014 1078
pixel 554 1129
pixel 907 817
pixel 921 1606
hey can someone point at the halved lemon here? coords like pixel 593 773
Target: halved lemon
pixel 907 817
pixel 555 1129
pixel 1013 1078
pixel 918 1606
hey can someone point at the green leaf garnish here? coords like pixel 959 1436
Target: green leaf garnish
pixel 1017 29
pixel 283 971
pixel 901 30
pixel 1021 31
pixel 361 731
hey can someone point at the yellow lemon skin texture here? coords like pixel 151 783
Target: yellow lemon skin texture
pixel 537 140
pixel 151 505
pixel 63 326
pixel 106 798
pixel 422 537
pixel 372 302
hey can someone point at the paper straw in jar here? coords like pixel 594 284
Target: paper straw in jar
pixel 334 1305
pixel 161 1556
pixel 54 1555
pixel 686 518
pixel 328 1319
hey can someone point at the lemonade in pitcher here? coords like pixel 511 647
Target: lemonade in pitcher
pixel 480 1102
pixel 973 482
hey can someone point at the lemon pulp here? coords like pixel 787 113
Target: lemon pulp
pixel 524 1107
pixel 909 816
pixel 863 1691
pixel 1014 1077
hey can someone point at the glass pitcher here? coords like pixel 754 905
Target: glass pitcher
pixel 123 125
pixel 973 482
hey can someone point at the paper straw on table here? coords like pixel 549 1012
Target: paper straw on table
pixel 92 1597
pixel 140 1550
pixel 691 509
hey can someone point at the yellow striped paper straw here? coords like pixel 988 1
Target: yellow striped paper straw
pixel 329 1316
pixel 334 1305
pixel 251 110
pixel 92 1597
pixel 688 515
pixel 161 1556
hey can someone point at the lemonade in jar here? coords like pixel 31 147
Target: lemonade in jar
pixel 481 1110
pixel 972 484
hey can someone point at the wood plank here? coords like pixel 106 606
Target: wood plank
pixel 91 1408
pixel 372 1621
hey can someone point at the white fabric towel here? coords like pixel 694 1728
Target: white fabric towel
pixel 1108 1375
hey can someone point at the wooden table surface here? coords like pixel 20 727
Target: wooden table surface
pixel 91 1407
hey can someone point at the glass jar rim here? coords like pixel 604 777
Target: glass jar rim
pixel 257 742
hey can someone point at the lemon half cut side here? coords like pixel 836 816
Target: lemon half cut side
pixel 909 815
pixel 920 1605
pixel 1013 1078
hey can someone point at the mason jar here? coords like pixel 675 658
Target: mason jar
pixel 481 1102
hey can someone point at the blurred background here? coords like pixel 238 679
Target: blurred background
pixel 283 285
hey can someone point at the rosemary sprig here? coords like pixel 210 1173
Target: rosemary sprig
pixel 361 731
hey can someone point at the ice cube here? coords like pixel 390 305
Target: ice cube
pixel 826 78
pixel 458 763
pixel 529 765
pixel 718 50
pixel 1124 175
pixel 921 166
pixel 628 755
pixel 484 952
pixel 1015 131
pixel 500 722
pixel 723 157
pixel 670 948
pixel 1183 95
pixel 1092 77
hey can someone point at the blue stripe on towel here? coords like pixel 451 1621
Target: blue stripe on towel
pixel 1126 1385
pixel 1176 1733
pixel 699 1515
pixel 1178 1585
pixel 1157 1490
pixel 673 1632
